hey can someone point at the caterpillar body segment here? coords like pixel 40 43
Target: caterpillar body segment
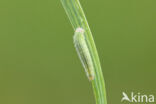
pixel 82 49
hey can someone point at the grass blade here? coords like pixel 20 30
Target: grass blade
pixel 78 20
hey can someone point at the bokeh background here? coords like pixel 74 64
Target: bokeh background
pixel 38 62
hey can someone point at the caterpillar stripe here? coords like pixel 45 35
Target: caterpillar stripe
pixel 82 49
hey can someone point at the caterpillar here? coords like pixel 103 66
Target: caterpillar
pixel 83 52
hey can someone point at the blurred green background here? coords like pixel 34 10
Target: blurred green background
pixel 38 62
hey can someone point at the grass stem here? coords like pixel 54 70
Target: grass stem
pixel 78 20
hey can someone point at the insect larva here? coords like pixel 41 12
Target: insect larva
pixel 82 49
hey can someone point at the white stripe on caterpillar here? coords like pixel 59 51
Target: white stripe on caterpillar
pixel 82 49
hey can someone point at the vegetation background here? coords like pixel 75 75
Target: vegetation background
pixel 39 64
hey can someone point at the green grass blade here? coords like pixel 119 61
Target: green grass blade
pixel 78 20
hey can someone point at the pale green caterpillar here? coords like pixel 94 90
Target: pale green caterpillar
pixel 82 49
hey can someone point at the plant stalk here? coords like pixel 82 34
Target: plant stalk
pixel 78 20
